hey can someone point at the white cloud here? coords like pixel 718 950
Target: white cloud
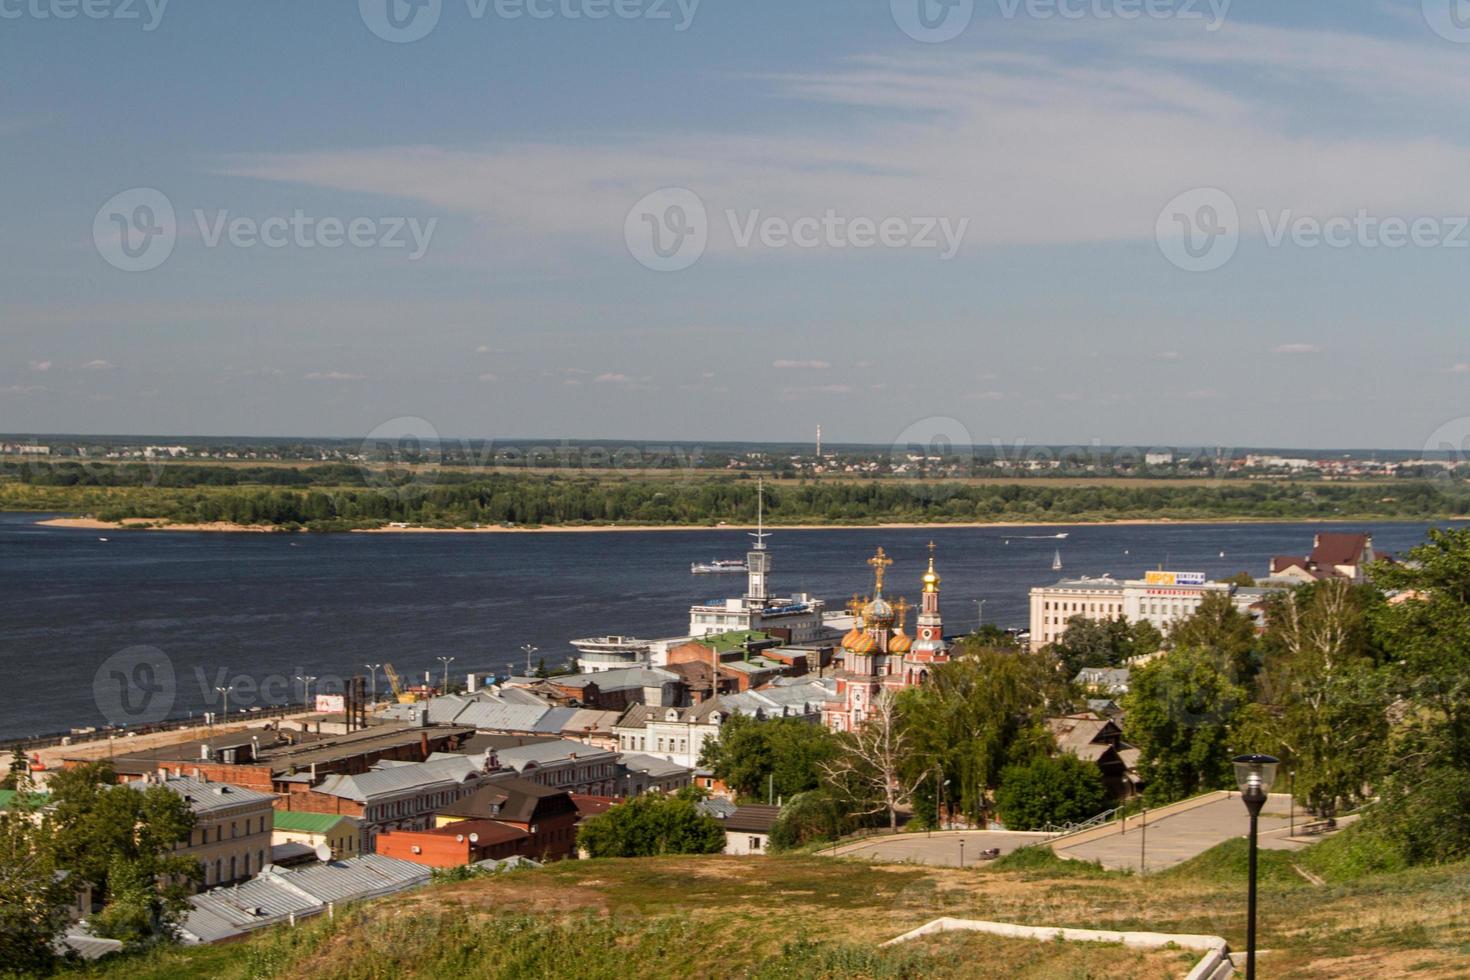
pixel 1296 349
pixel 333 376
pixel 906 134
pixel 489 377
pixel 21 389
pixel 40 365
pixel 1169 355
pixel 1462 368
pixel 97 365
pixel 784 365
pixel 809 391
pixel 612 378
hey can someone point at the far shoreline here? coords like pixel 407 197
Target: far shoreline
pixel 152 524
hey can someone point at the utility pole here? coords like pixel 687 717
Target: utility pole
pixel 1143 842
pixel 373 669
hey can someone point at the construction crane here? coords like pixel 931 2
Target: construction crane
pixel 403 697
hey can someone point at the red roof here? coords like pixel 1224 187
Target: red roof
pixel 1340 549
pixel 488 831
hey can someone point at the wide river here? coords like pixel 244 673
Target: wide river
pixel 254 610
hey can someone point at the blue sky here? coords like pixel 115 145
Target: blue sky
pixel 1058 143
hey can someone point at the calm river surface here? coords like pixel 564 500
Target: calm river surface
pixel 262 606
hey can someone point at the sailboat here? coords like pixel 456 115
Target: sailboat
pixel 1056 563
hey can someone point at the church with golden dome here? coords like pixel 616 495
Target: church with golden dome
pixel 878 653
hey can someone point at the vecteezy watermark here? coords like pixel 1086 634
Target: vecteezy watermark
pixel 406 21
pixel 1199 230
pixel 1450 19
pixel 937 21
pixel 938 445
pixel 147 12
pixel 135 686
pixel 401 455
pixel 137 230
pixel 1446 457
pixel 669 230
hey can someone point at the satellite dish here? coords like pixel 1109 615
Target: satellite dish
pixel 323 852
pixel 474 838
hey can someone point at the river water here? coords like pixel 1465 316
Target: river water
pixel 257 610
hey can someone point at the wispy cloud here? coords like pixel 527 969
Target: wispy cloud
pixel 489 377
pixel 97 365
pixel 40 365
pixel 904 134
pixel 1461 368
pixel 1296 349
pixel 784 365
pixel 333 376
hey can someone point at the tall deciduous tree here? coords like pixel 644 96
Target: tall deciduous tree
pixel 977 713
pixel 872 769
pixel 1104 643
pixel 1322 705
pixel 757 757
pixel 34 898
pixel 1180 710
pixel 1049 791
pixel 1217 626
pixel 100 830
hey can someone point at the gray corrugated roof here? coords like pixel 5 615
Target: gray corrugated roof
pixel 651 765
pixel 204 796
pixel 502 717
pixel 400 778
pixel 545 753
pixel 223 913
pixel 356 878
pixel 554 720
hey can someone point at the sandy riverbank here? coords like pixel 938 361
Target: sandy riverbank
pixel 147 524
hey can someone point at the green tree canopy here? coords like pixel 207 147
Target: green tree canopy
pixel 1180 709
pixel 652 825
pixel 1049 791
pixel 753 756
pixel 1217 626
pixel 1103 643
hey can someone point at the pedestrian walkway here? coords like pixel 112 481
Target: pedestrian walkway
pixel 942 849
pixel 1176 833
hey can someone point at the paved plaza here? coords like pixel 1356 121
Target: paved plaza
pixel 1180 835
pixel 941 849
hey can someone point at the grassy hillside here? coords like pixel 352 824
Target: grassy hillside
pixel 800 917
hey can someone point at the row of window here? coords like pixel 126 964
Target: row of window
pixel 202 836
pixel 215 874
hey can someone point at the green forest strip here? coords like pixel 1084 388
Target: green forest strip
pixel 337 498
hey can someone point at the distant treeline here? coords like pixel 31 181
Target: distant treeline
pixel 555 500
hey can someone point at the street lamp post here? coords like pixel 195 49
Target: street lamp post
pixel 962 852
pixel 1254 774
pixel 980 614
pixel 306 680
pixel 226 692
pixel 529 650
pixel 373 681
pixel 446 661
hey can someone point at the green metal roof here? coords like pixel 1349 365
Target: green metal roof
pixel 7 797
pixel 305 822
pixel 733 640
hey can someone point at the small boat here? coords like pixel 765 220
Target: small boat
pixel 1222 554
pixel 103 540
pixel 1056 563
pixel 717 566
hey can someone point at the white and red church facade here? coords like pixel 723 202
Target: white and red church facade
pixel 877 653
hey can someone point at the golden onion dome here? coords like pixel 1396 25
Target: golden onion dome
pixel 878 610
pixel 852 636
pixel 865 644
pixel 901 643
